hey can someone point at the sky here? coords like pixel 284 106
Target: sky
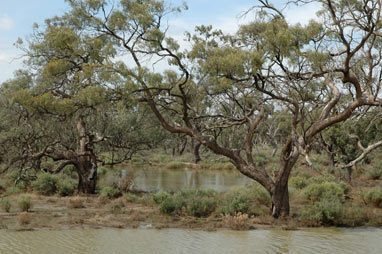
pixel 18 16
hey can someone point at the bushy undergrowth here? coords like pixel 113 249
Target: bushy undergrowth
pixel 325 190
pixel 375 173
pixel 374 197
pixel 46 184
pixel 6 205
pixel 110 192
pixel 66 187
pixel 25 203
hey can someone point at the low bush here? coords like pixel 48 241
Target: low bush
pixel 173 205
pixel 66 187
pixel 374 197
pixel 110 192
pixel 201 207
pixel 298 182
pixel 325 190
pixel 160 196
pixel 6 205
pixel 237 221
pixel 25 203
pixel 328 211
pixel 46 184
pixel 374 173
pixel 130 197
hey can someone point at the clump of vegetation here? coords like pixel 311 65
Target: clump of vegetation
pixel 375 173
pixel 245 200
pixel 6 205
pixel 172 205
pixel 66 187
pixel 46 184
pixel 110 192
pixel 176 165
pixel 115 208
pixel 298 182
pixel 160 196
pixel 374 197
pixel 130 197
pixel 75 202
pixel 238 221
pixel 24 218
pixel 201 207
pixel 325 190
pixel 25 203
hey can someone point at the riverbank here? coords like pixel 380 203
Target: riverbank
pixel 141 211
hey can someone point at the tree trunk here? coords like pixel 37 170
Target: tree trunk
pixel 87 177
pixel 280 201
pixel 196 153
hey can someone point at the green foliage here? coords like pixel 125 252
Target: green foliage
pixel 160 196
pixel 325 190
pixel 6 205
pixel 115 208
pixel 328 211
pixel 375 172
pixel 130 197
pixel 173 205
pixel 201 207
pixel 298 182
pixel 46 184
pixel 374 197
pixel 25 203
pixel 110 192
pixel 66 186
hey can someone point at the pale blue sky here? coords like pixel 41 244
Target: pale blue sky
pixel 17 18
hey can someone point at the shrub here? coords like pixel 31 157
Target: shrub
pixel 6 205
pixel 114 208
pixel 298 182
pixel 110 192
pixel 374 197
pixel 66 187
pixel 201 207
pixel 75 202
pixel 130 197
pixel 173 204
pixel 25 203
pixel 318 191
pixel 375 173
pixel 13 190
pixel 328 211
pixel 46 184
pixel 160 196
pixel 2 187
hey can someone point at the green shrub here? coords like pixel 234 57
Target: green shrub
pixel 66 187
pixel 25 203
pixel 325 190
pixel 46 184
pixel 328 211
pixel 173 204
pixel 110 192
pixel 13 190
pixel 160 196
pixel 115 208
pixel 6 205
pixel 130 197
pixel 2 187
pixel 101 171
pixel 201 207
pixel 375 173
pixel 374 197
pixel 298 182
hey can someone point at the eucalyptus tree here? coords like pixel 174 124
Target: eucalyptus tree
pixel 69 108
pixel 319 74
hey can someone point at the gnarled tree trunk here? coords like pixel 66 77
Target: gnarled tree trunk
pixel 196 153
pixel 87 175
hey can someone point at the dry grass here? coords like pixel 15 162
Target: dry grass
pixel 237 222
pixel 75 202
pixel 24 218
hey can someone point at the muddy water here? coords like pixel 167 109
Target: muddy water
pixel 104 241
pixel 153 179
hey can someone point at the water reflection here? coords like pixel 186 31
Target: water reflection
pixel 153 179
pixel 188 241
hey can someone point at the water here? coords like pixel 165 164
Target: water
pixel 153 179
pixel 105 241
